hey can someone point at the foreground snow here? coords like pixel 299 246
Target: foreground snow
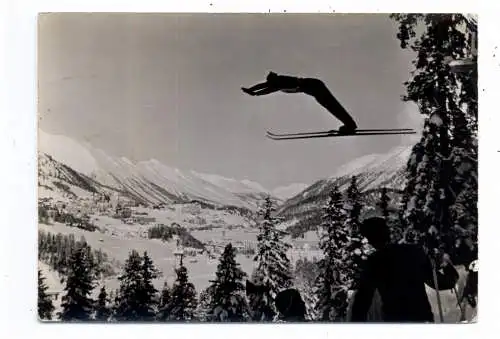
pixel 118 248
pixel 201 268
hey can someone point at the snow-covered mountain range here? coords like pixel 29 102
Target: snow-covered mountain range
pixel 152 182
pixel 303 211
pixel 149 181
pixel 289 191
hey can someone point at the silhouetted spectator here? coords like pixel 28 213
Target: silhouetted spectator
pixel 399 272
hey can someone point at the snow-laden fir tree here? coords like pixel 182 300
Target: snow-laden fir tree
pixel 305 275
pixel 164 303
pixel 393 220
pixel 102 308
pixel 273 264
pixel 204 301
pixel 95 267
pixel 45 306
pixel 227 302
pixel 127 297
pixel 332 283
pixel 422 195
pixel 357 249
pixel 273 268
pixel 77 303
pixel 438 210
pixel 136 299
pixel 149 294
pixel 383 203
pixel 183 303
pixel 260 303
pixel 464 187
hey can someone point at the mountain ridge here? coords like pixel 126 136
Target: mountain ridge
pixel 302 212
pixel 151 181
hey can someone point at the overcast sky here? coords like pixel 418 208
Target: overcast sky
pixel 168 87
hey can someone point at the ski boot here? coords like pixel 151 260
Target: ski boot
pixel 347 130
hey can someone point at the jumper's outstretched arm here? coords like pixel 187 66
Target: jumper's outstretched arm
pixel 260 89
pixel 265 91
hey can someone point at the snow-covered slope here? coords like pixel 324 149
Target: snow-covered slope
pixel 372 171
pixel 68 152
pixel 383 164
pixel 59 181
pixel 150 181
pixel 289 191
pixel 232 185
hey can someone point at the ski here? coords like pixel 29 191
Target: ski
pixel 335 132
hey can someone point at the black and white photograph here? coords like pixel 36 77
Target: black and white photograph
pixel 257 167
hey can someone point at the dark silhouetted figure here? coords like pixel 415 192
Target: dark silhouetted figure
pixel 399 272
pixel 288 302
pixel 258 302
pixel 311 86
pixel 290 305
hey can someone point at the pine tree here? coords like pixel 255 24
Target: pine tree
pixel 137 297
pixel 227 303
pixel 45 306
pixel 465 215
pixel 94 268
pixel 424 195
pixel 273 265
pixel 464 187
pixel 183 303
pixel 102 311
pixel 306 273
pixel 128 296
pixel 203 310
pixel 149 293
pixel 384 202
pixel 357 250
pixel 442 170
pixel 273 268
pixel 164 303
pixel 114 297
pixel 396 229
pixel 332 283
pixel 76 303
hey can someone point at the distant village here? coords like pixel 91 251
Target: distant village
pixel 75 211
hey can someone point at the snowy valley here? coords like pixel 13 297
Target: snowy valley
pixel 119 198
pixel 113 203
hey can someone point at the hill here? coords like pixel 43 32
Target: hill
pixel 302 212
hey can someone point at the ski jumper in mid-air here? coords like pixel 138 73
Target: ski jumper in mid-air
pixel 311 86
